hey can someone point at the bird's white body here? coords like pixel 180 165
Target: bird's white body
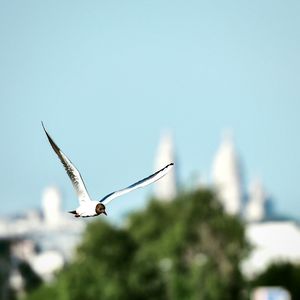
pixel 87 209
pixel 91 208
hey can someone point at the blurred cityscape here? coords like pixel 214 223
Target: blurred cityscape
pixel 46 239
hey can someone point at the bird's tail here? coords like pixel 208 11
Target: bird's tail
pixel 72 212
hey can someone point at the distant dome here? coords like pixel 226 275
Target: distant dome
pixel 51 205
pixel 166 188
pixel 226 176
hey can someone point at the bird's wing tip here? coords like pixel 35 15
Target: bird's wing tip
pixel 43 125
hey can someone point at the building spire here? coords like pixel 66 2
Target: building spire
pixel 255 210
pixel 51 204
pixel 226 175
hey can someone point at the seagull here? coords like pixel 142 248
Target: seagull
pixel 91 208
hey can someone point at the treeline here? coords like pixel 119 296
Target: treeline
pixel 184 249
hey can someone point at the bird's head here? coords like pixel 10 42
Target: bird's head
pixel 100 209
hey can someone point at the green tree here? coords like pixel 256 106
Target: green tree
pixel 5 267
pixel 283 274
pixel 185 249
pixel 196 246
pixel 99 270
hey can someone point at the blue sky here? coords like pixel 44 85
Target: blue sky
pixel 107 77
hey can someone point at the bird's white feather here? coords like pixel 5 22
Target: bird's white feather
pixel 71 170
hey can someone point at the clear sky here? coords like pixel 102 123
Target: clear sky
pixel 107 77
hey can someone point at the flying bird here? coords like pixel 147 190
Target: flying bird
pixel 91 208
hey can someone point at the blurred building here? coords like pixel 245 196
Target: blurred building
pixel 256 208
pixel 45 239
pixel 51 206
pixel 227 178
pixel 273 237
pixel 166 188
pixel 272 241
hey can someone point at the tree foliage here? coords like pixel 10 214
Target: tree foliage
pixel 184 249
pixel 284 274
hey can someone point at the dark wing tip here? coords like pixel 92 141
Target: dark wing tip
pixel 168 165
pixel 46 131
pixel 43 126
pixel 52 143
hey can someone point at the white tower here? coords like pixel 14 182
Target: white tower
pixel 51 205
pixel 166 188
pixel 227 177
pixel 255 210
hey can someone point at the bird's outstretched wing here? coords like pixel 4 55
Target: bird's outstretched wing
pixel 73 173
pixel 144 182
